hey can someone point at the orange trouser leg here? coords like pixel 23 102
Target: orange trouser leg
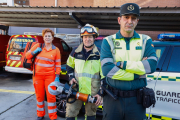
pixel 39 85
pixel 51 99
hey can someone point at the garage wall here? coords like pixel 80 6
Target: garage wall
pixel 21 30
pixel 152 34
pixel 95 3
pixel 103 3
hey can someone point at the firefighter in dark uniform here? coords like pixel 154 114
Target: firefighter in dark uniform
pixel 126 58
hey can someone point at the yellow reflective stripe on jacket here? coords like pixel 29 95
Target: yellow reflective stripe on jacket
pixel 87 75
pixel 115 72
pixel 87 72
pixel 70 61
pixel 132 57
pixel 120 74
pixel 136 65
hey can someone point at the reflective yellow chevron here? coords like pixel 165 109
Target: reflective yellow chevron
pixel 15 53
pixel 9 53
pixel 29 36
pixel 19 63
pixel 12 63
pixel 16 36
pixel 8 62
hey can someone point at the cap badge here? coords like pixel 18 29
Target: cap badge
pixel 130 7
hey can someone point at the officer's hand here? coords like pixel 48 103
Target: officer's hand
pixel 99 100
pixel 37 50
pixel 72 81
pixel 145 58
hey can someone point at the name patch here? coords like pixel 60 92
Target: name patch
pixel 138 47
pixel 80 56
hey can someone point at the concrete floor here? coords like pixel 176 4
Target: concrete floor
pixel 18 101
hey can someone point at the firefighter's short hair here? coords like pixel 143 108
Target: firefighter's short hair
pixel 47 30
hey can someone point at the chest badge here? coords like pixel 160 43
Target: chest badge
pixel 79 56
pixel 117 43
pixel 138 44
pixel 138 47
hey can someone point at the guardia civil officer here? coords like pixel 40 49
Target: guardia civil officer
pixel 84 68
pixel 126 58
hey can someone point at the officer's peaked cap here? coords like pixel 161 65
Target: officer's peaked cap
pixel 129 8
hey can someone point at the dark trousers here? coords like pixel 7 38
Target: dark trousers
pixel 123 109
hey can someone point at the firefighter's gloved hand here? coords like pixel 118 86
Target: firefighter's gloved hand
pixel 37 50
pixel 57 79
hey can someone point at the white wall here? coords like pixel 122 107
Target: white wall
pixel 10 2
pixel 3 1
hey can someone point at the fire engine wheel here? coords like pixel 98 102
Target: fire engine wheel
pixel 61 105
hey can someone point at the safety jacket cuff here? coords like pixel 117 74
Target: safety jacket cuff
pixel 71 77
pixel 57 75
pixel 124 65
pixel 99 93
pixel 32 53
pixel 136 76
pixel 103 79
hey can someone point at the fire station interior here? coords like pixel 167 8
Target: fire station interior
pixel 151 18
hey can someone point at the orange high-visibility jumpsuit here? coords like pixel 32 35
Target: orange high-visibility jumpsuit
pixel 47 62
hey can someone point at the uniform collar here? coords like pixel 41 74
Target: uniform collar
pixel 119 36
pixel 94 50
pixel 53 47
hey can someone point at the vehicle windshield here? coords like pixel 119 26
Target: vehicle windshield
pixel 159 51
pixel 19 44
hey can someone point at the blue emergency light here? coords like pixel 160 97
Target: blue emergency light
pixel 169 36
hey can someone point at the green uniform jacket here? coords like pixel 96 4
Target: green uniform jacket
pixel 130 52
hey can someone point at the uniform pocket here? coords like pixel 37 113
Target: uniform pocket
pixel 95 86
pixel 94 108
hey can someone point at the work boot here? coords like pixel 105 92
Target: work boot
pixel 91 117
pixel 70 118
pixel 40 118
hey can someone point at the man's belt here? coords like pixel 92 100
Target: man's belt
pixel 120 93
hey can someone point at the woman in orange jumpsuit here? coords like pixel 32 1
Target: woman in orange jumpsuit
pixel 47 63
